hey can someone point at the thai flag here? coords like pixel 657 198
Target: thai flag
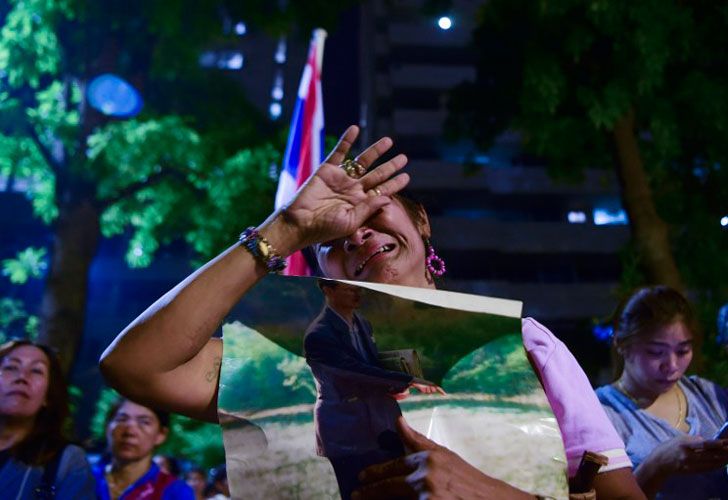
pixel 304 151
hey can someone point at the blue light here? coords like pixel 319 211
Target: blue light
pixel 241 29
pixel 113 96
pixel 606 217
pixel 275 110
pixel 603 333
pixel 576 217
pixel 445 23
pixel 724 221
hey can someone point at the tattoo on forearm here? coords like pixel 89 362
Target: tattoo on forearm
pixel 211 376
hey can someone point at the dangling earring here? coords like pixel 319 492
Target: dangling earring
pixel 434 262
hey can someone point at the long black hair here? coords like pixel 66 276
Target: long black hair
pixel 48 436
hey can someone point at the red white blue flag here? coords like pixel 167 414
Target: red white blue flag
pixel 304 151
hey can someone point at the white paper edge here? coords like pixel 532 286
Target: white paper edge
pixel 451 300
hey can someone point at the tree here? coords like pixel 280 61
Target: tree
pixel 640 87
pixel 92 175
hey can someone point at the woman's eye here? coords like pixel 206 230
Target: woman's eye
pixel 654 353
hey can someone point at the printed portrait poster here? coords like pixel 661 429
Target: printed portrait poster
pixel 303 388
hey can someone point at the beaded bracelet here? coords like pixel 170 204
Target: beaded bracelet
pixel 262 250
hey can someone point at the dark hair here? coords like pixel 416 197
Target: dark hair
pixel 646 311
pixel 48 436
pixel 162 416
pixel 172 465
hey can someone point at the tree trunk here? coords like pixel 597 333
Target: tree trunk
pixel 649 231
pixel 63 308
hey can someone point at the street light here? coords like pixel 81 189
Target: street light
pixel 445 23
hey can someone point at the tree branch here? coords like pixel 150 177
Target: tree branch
pixel 150 181
pixel 54 164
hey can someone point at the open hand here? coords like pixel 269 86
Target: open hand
pixel 332 205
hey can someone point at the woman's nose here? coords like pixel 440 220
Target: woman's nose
pixel 671 363
pixel 357 238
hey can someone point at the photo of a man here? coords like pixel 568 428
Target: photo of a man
pixel 356 406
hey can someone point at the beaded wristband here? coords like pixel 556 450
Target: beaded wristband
pixel 262 250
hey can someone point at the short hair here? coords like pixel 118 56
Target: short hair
pixel 48 436
pixel 162 416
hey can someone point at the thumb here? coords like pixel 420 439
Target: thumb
pixel 412 439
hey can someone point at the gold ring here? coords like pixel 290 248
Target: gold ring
pixel 353 169
pixel 377 191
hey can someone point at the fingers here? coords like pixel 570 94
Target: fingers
pixel 401 466
pixel 379 175
pixel 370 154
pixel 392 186
pixel 342 147
pixel 412 439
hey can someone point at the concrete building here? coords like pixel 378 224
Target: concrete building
pixel 503 225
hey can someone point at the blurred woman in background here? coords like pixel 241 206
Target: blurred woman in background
pixel 668 421
pixel 35 455
pixel 133 432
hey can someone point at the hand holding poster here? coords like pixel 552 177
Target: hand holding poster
pixel 306 404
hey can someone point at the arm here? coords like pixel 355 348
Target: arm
pixel 166 358
pixel 680 455
pixel 321 348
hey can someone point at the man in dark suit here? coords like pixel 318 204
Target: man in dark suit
pixel 357 407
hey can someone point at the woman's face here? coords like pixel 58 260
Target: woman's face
pixel 657 362
pixel 387 248
pixel 23 382
pixel 134 432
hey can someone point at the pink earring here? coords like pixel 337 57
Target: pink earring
pixel 434 262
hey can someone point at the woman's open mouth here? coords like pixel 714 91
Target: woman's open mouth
pixel 383 249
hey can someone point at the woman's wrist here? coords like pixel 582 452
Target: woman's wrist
pixel 282 235
pixel 651 473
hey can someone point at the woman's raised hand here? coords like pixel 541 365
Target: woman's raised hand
pixel 331 204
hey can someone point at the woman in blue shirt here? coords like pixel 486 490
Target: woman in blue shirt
pixel 667 420
pixel 35 455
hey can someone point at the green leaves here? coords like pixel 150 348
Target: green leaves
pixel 29 46
pixel 29 263
pixel 14 319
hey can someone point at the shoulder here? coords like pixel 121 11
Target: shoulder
pixel 73 459
pixel 706 389
pixel 75 478
pixel 538 341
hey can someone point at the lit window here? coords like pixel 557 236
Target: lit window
pixel 576 217
pixel 280 56
pixel 234 61
pixel 606 217
pixel 275 110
